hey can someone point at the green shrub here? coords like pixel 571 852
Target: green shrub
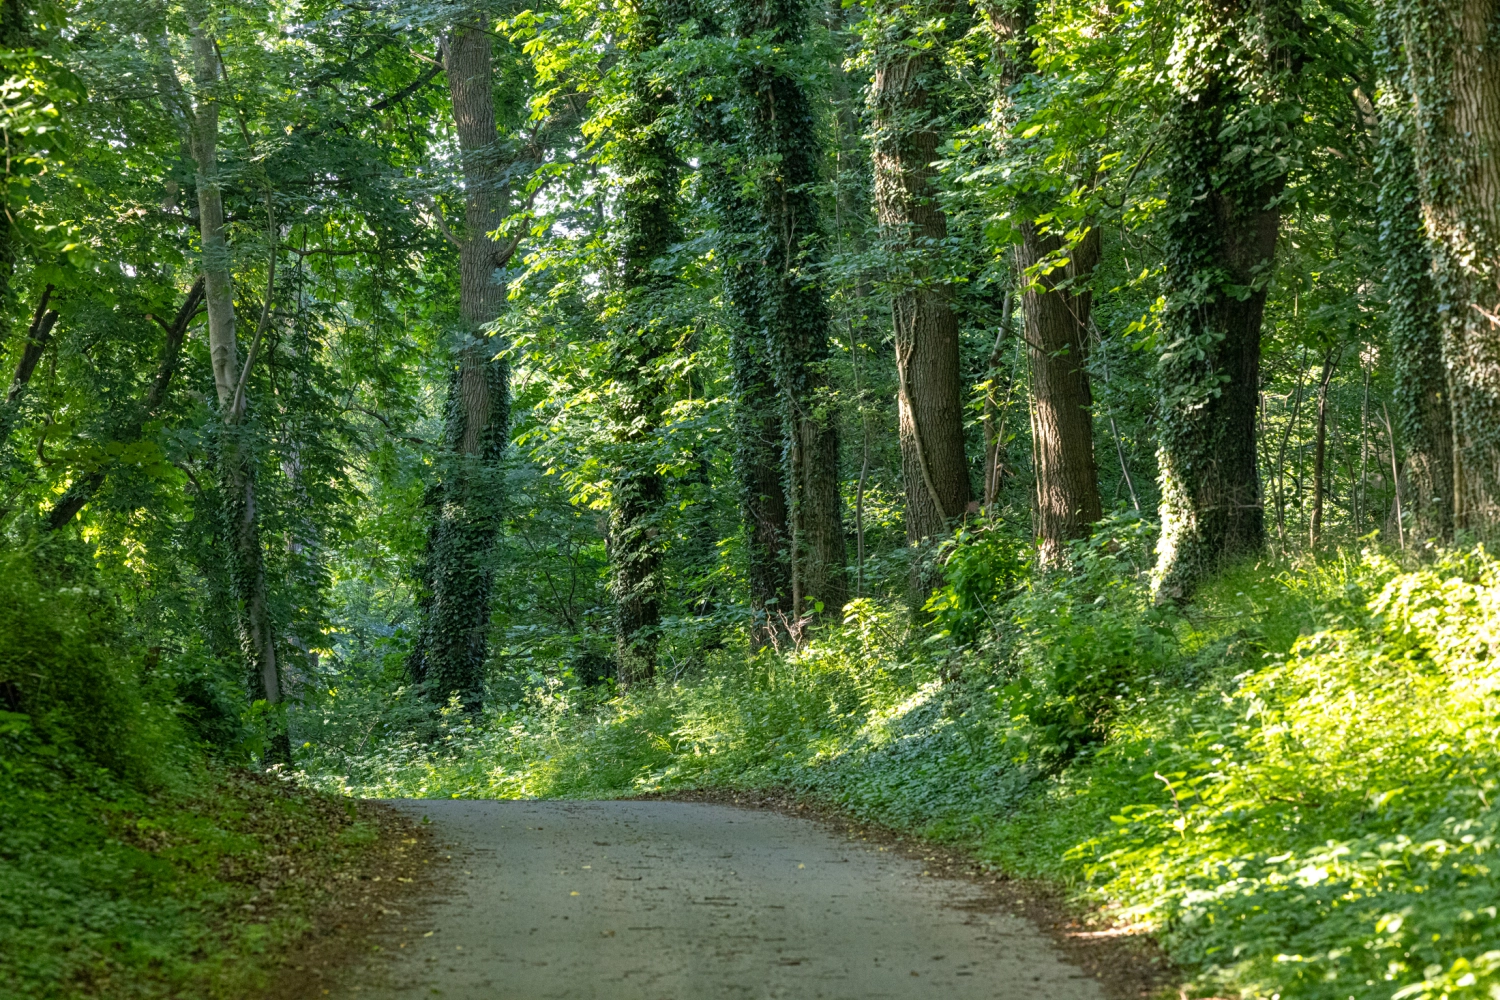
pixel 1083 640
pixel 1295 781
pixel 62 667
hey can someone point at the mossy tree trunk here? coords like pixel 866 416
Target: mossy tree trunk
pixel 1453 70
pixel 904 149
pixel 758 416
pixel 1420 392
pixel 466 498
pixel 1225 143
pixel 645 335
pixel 787 304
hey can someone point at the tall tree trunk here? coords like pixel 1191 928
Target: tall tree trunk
pixel 759 415
pixel 759 462
pixel 1055 316
pixel 247 572
pixel 789 307
pixel 1056 323
pixel 647 230
pixel 1220 246
pixel 465 501
pixel 1453 69
pixel 913 227
pixel 1420 392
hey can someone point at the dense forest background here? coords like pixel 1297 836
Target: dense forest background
pixel 390 379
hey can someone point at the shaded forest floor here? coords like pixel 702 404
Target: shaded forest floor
pixel 226 885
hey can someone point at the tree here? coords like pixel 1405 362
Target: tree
pixel 771 214
pixel 236 443
pixel 82 490
pixel 1226 150
pixel 907 114
pixel 1055 304
pixel 1453 71
pixel 643 154
pixel 1416 329
pixel 465 500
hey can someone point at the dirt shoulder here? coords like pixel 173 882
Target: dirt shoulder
pixel 401 867
pixel 1126 962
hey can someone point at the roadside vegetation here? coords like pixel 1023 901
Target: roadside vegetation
pixel 140 855
pixel 1291 781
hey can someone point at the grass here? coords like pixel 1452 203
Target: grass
pixel 1292 783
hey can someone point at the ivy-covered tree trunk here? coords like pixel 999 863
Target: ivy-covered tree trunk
pixel 1055 316
pixel 466 499
pixel 236 445
pixel 780 143
pixel 759 456
pixel 758 415
pixel 1225 171
pixel 1453 69
pixel 648 167
pixel 1420 392
pixel 904 150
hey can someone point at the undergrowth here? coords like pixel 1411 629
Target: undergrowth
pixel 136 859
pixel 1292 781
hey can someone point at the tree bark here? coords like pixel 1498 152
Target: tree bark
pixel 788 304
pixel 1223 216
pixel 913 227
pixel 1056 323
pixel 647 230
pixel 1453 69
pixel 236 450
pixel 453 645
pixel 83 490
pixel 1055 317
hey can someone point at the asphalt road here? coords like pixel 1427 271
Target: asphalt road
pixel 688 901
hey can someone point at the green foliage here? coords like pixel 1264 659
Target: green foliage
pixel 60 677
pixel 133 862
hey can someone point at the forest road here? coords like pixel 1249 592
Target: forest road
pixel 692 901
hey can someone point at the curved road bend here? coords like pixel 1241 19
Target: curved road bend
pixel 688 901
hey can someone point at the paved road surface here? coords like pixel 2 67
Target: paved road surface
pixel 687 901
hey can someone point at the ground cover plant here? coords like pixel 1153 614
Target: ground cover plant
pixel 140 856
